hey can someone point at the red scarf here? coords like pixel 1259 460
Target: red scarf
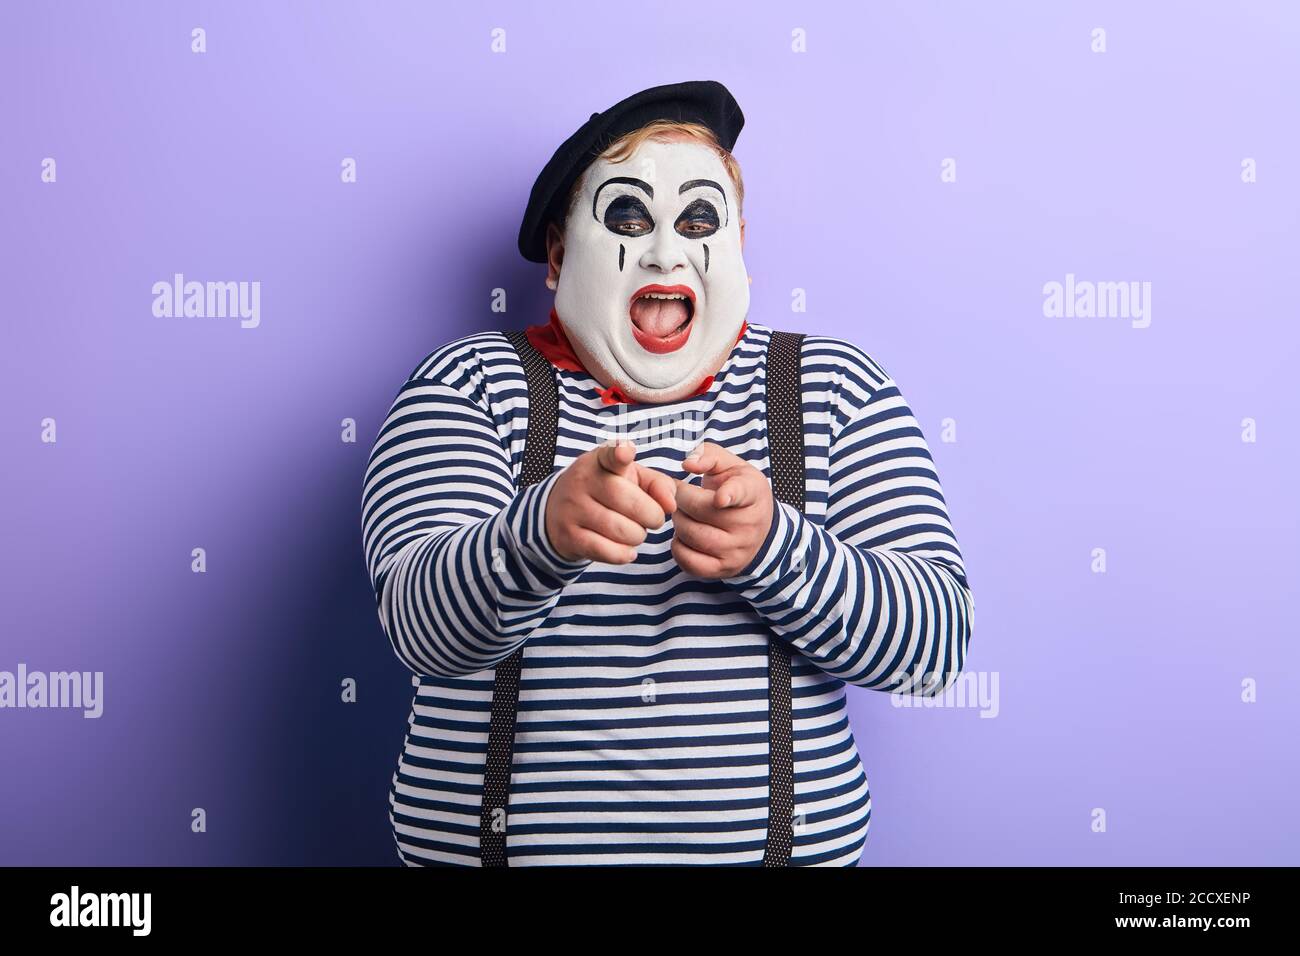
pixel 551 341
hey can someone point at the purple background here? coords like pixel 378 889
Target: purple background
pixel 1119 691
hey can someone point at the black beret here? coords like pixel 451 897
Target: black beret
pixel 699 101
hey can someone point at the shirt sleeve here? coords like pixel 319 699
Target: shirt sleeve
pixel 878 596
pixel 460 561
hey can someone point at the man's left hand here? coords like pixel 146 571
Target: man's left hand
pixel 720 524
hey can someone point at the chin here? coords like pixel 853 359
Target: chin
pixel 660 396
pixel 664 378
pixel 647 378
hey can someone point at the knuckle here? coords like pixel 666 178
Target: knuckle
pixel 625 531
pixel 607 527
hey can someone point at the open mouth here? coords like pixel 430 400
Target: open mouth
pixel 661 316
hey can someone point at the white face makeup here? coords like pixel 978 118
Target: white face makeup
pixel 652 285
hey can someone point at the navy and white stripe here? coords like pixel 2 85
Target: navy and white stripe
pixel 642 728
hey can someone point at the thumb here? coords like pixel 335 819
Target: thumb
pixel 658 486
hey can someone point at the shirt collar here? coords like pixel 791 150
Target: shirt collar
pixel 550 340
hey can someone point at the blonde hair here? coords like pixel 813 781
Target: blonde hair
pixel 664 131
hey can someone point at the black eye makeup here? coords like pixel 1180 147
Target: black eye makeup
pixel 707 184
pixel 628 216
pixel 698 220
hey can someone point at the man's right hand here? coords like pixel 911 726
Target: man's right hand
pixel 604 502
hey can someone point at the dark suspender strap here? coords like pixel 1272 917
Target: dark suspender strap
pixel 539 462
pixel 786 449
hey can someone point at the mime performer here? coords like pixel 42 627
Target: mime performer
pixel 635 650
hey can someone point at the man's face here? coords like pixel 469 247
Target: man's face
pixel 652 287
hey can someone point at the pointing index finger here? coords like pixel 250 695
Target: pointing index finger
pixel 697 503
pixel 616 456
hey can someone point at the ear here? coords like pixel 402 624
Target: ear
pixel 554 254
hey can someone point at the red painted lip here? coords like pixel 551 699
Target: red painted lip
pixel 670 343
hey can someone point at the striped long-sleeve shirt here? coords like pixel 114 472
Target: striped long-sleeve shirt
pixel 642 732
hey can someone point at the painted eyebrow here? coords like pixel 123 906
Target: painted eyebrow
pixel 627 180
pixel 697 183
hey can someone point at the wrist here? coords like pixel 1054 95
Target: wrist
pixel 773 557
pixel 527 524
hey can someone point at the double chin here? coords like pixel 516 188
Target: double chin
pixel 660 396
pixel 645 378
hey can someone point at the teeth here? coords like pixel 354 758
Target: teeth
pixel 661 295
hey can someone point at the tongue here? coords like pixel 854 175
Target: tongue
pixel 658 317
